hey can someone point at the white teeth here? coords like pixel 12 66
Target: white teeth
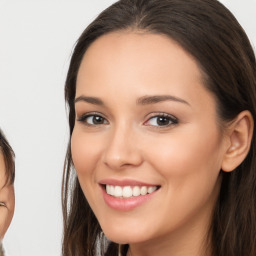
pixel 128 191
pixel 108 189
pixel 143 190
pixel 151 189
pixel 112 190
pixel 118 191
pixel 136 191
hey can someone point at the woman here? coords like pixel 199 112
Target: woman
pixel 161 159
pixel 7 173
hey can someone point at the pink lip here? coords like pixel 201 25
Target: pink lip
pixel 124 204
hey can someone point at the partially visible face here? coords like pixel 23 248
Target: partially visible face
pixel 6 200
pixel 146 144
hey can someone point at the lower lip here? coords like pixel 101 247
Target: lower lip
pixel 125 204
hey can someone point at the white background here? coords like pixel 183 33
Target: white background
pixel 36 40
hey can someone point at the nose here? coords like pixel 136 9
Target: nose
pixel 122 149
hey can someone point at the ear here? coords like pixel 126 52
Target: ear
pixel 239 137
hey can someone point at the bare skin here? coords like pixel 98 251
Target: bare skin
pixel 6 200
pixel 143 114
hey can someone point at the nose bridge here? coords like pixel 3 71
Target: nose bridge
pixel 122 148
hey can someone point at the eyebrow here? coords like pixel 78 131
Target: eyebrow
pixel 144 100
pixel 92 100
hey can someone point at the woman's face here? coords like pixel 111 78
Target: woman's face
pixel 6 200
pixel 146 145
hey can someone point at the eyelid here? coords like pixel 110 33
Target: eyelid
pixel 92 113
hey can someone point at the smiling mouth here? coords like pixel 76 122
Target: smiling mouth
pixel 129 191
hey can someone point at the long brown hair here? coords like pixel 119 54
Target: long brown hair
pixel 8 154
pixel 212 35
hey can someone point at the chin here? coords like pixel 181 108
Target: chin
pixel 125 236
pixel 125 239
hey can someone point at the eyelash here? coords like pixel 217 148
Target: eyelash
pixel 167 118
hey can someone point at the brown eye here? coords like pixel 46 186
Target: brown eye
pixel 93 119
pixel 162 120
pixel 97 120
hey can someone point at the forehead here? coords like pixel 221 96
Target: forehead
pixel 133 64
pixel 131 57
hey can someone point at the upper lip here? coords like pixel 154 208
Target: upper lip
pixel 125 182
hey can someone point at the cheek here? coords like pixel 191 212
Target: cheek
pixel 6 213
pixel 85 152
pixel 189 167
pixel 188 159
pixel 3 221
